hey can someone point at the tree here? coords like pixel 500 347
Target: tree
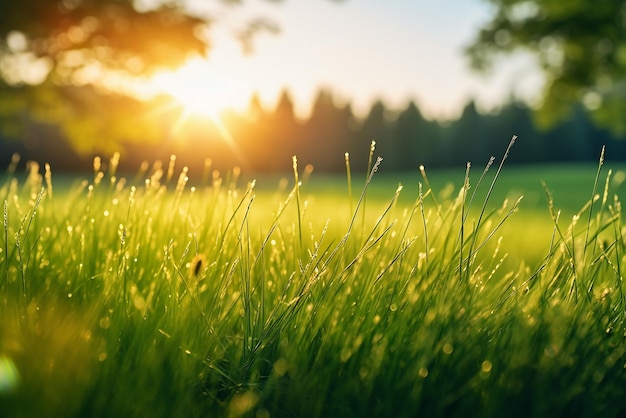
pixel 56 56
pixel 416 139
pixel 515 118
pixel 581 46
pixel 469 138
pixel 112 32
pixel 326 133
pixel 282 132
pixel 375 127
pixel 60 59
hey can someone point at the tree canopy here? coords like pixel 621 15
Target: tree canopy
pixel 581 46
pixel 60 60
pixel 65 62
pixel 73 34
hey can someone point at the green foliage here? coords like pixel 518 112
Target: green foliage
pixel 112 32
pixel 48 48
pixel 581 46
pixel 61 62
pixel 149 297
pixel 80 113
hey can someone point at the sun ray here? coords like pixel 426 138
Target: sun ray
pixel 201 92
pixel 229 139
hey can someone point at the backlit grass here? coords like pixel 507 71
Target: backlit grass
pixel 150 297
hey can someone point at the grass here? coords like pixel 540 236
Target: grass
pixel 150 297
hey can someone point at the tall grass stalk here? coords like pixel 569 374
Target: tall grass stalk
pixel 349 178
pixel 297 185
pixel 593 198
pixel 489 192
pixel 371 165
pixel 5 224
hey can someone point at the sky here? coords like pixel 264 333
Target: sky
pixel 364 50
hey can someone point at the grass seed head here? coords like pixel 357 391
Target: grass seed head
pixel 196 266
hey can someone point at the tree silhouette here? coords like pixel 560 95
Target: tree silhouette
pixel 375 127
pixel 284 136
pixel 327 133
pixel 417 140
pixel 515 118
pixel 468 138
pixel 572 139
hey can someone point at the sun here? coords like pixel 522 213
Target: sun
pixel 202 89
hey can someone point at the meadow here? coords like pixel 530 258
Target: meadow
pixel 377 295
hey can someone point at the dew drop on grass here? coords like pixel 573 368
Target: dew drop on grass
pixel 393 307
pixel 551 351
pixel 447 349
pixel 105 322
pixel 423 372
pixel 102 357
pixel 486 366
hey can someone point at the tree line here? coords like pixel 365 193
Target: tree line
pixel 59 113
pixel 263 140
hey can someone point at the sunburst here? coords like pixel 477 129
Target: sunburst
pixel 204 91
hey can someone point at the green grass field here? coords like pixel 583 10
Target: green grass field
pixel 338 297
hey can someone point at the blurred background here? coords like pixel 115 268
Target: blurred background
pixel 249 83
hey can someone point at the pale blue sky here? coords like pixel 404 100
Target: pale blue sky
pixel 396 50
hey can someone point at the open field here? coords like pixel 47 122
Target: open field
pixel 571 187
pixel 156 298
